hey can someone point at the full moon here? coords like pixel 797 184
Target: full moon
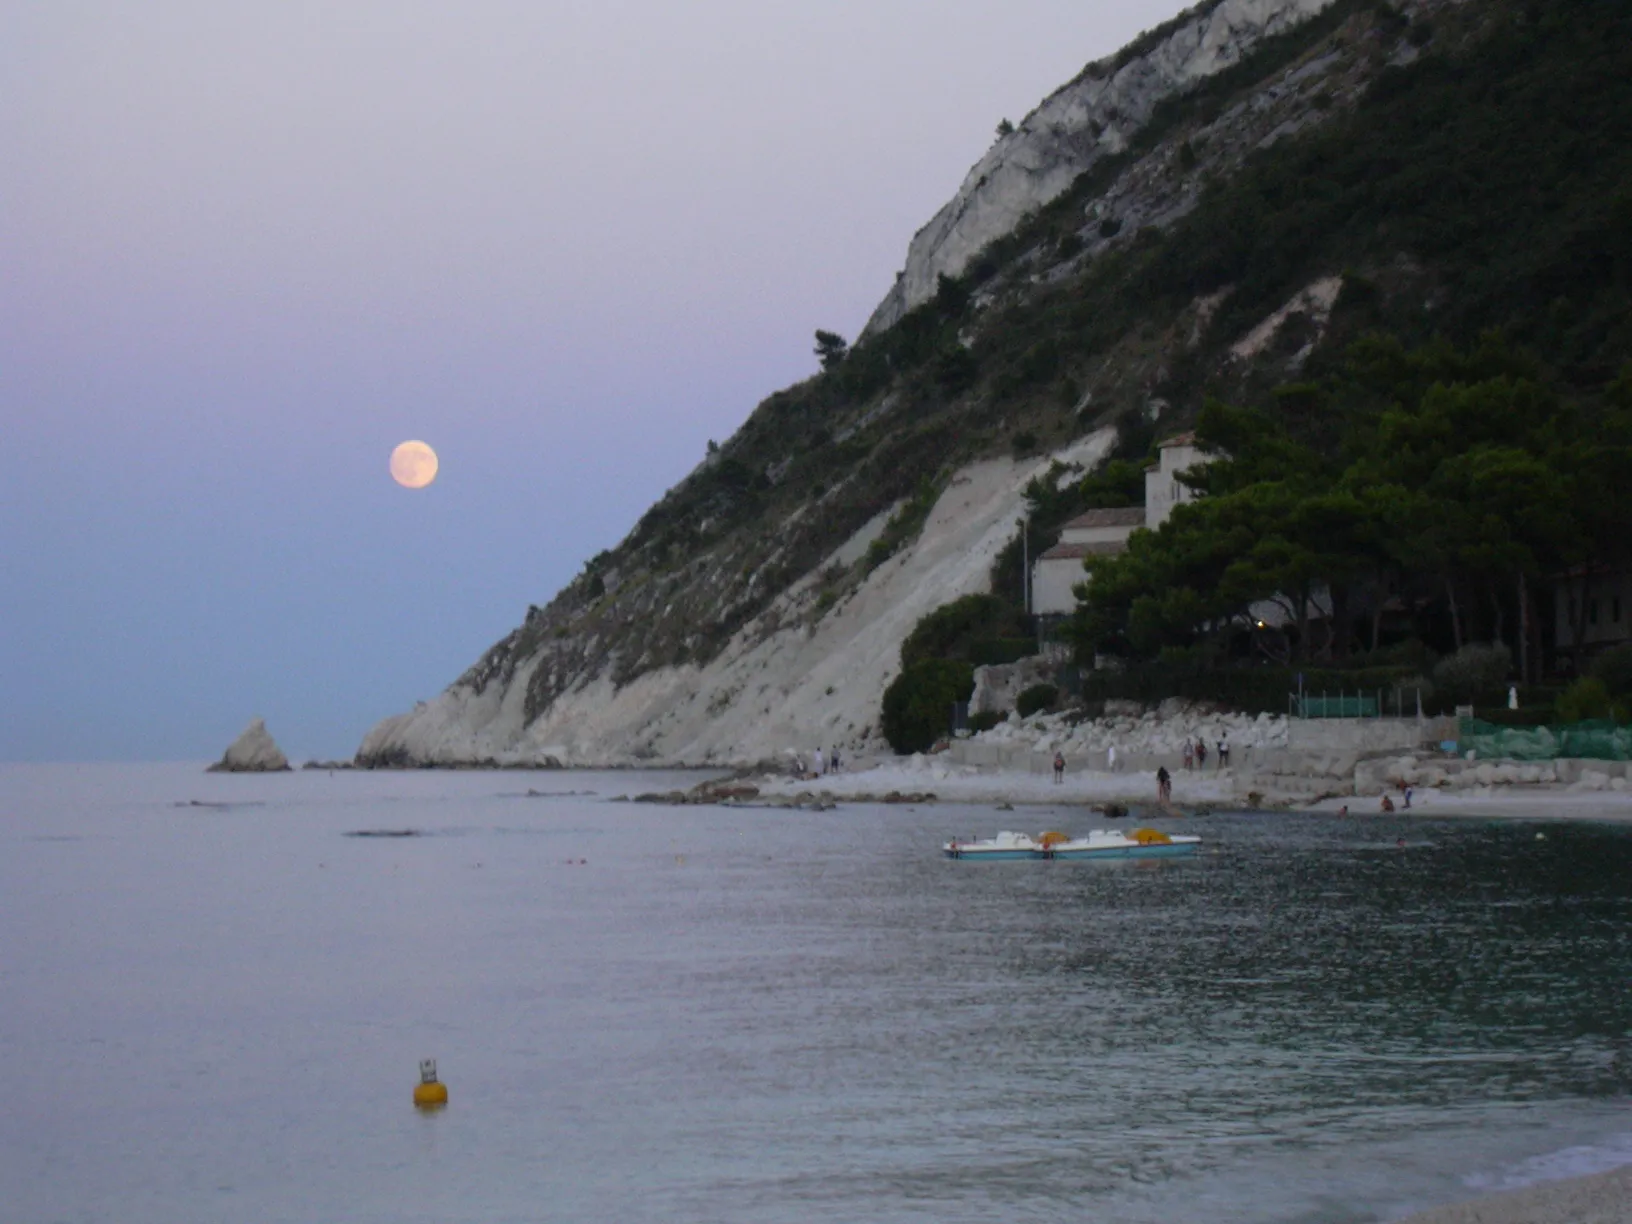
pixel 413 465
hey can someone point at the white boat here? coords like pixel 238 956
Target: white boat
pixel 1113 843
pixel 1101 843
pixel 1005 845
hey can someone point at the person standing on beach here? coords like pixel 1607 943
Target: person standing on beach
pixel 1223 752
pixel 816 763
pixel 1110 758
pixel 1201 753
pixel 1164 785
pixel 1189 755
pixel 1059 768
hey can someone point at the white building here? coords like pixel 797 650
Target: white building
pixel 1100 533
pixel 1163 490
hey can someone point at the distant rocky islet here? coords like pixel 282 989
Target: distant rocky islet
pixel 255 751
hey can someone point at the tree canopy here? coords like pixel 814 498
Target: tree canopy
pixel 1448 480
pixel 831 348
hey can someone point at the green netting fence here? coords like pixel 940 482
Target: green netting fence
pixel 1597 740
pixel 1349 705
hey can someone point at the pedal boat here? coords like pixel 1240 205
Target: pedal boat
pixel 1113 843
pixel 1100 844
pixel 1005 845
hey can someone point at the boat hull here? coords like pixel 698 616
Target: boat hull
pixel 1101 844
pixel 1154 850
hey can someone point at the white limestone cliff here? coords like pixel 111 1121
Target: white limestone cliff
pixel 808 682
pixel 592 679
pixel 252 752
pixel 1093 116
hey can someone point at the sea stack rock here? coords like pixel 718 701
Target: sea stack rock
pixel 252 752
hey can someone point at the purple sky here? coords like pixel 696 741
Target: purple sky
pixel 247 249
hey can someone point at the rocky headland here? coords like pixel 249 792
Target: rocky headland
pixel 1046 315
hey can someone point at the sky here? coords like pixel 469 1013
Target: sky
pixel 247 248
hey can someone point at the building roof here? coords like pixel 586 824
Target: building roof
pixel 1075 552
pixel 1116 516
pixel 1184 439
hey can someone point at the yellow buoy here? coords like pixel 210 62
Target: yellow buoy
pixel 428 1093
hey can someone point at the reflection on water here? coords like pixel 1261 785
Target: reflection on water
pixel 711 1014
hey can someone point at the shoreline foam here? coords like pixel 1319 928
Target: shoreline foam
pixel 1598 1198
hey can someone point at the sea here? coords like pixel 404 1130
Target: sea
pixel 215 993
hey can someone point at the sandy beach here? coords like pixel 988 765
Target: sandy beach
pixel 1605 1198
pixel 951 783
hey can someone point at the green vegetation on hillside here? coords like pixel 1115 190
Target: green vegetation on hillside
pixel 1434 488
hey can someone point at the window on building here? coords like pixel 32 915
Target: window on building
pixel 1592 611
pixel 1615 610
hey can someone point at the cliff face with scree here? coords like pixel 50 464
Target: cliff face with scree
pixel 1219 209
pixel 1093 117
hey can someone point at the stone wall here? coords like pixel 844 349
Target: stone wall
pixel 1359 736
pixel 999 684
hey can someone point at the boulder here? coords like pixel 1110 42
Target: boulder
pixel 252 752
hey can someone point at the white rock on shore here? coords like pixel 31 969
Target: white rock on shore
pixel 1157 733
pixel 252 752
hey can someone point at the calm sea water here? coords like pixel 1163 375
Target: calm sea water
pixel 214 1013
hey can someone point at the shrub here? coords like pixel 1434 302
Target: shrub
pixel 955 369
pixel 986 720
pixel 1410 653
pixel 961 629
pixel 1037 697
pixel 918 704
pixel 1614 668
pixel 1475 671
pixel 1586 698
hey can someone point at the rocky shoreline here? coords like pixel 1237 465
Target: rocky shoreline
pixel 936 779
